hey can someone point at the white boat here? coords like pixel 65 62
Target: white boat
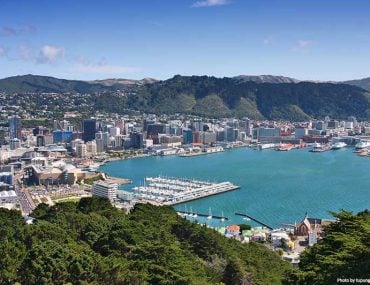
pixel 265 146
pixel 338 145
pixel 210 214
pixel 222 217
pixel 362 145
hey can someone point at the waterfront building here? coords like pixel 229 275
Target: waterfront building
pixel 300 132
pixel 187 136
pixel 154 130
pixel 91 148
pixel 269 135
pixel 15 127
pixel 105 189
pixel 208 138
pixel 197 125
pixel 229 134
pixel 89 129
pixel 197 138
pixel 137 140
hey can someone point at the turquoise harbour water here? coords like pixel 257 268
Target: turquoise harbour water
pixel 276 187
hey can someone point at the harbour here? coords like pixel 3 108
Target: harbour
pixel 275 186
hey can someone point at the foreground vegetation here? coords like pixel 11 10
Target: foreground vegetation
pixel 90 242
pixel 343 253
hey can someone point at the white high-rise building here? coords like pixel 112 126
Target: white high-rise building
pixel 81 150
pixel 105 189
pixel 91 148
pixel 114 131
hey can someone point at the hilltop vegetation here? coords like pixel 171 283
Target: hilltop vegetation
pixel 207 96
pixel 91 242
pixel 343 253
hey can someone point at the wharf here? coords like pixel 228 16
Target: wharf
pixel 118 180
pixel 203 215
pixel 255 220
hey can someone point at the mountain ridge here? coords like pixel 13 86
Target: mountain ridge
pixel 211 96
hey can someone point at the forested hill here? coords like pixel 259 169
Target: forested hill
pixel 211 96
pixel 91 242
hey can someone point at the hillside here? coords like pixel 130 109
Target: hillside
pixel 211 96
pixel 39 84
pixel 265 79
pixel 363 83
pixel 91 242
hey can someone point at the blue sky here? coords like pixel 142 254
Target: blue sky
pixel 91 39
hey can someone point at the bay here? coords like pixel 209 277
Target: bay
pixel 276 187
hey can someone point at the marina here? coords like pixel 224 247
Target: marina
pixel 300 180
pixel 171 190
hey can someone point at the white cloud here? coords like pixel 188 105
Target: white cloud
pixel 50 54
pixel 268 41
pixel 25 52
pixel 83 65
pixel 210 3
pixel 303 45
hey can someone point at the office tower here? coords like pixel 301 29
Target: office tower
pixel 15 127
pixel 89 129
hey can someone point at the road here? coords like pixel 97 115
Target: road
pixel 25 200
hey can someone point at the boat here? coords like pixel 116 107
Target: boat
pixel 210 214
pixel 362 145
pixel 338 145
pixel 265 146
pixel 318 147
pixel 222 217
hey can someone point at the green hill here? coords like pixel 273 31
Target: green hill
pixel 91 242
pixel 39 84
pixel 220 97
pixel 212 97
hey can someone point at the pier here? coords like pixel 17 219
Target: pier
pixel 202 215
pixel 171 191
pixel 255 220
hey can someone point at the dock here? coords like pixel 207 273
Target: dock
pixel 255 220
pixel 202 215
pixel 171 191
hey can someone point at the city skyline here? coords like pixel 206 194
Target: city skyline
pixel 162 38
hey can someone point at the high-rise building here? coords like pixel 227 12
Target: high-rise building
pixel 62 136
pixel 187 135
pixel 89 129
pixel 105 190
pixel 137 140
pixel 81 150
pixel 91 148
pixel 15 127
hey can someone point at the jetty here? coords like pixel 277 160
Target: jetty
pixel 254 219
pixel 202 215
pixel 172 190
